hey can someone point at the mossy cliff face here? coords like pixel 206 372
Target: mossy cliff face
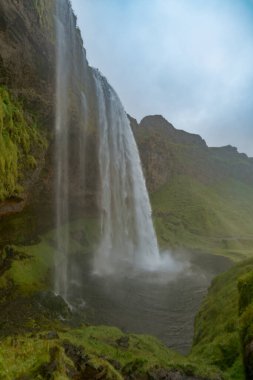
pixel 22 145
pixel 26 97
pixel 28 73
pixel 245 288
pixel 27 54
pixel 224 325
pixel 95 353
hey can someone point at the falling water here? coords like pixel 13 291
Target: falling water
pixel 69 90
pixel 127 234
pixel 61 155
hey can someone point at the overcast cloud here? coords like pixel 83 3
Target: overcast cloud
pixel 189 60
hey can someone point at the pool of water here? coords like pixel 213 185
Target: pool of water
pixel 162 303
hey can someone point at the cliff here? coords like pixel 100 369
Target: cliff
pixel 201 197
pixel 167 152
pixel 28 85
pixel 26 97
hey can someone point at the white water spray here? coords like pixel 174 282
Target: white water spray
pixel 127 234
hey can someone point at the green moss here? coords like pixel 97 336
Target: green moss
pixel 246 325
pixel 245 287
pixel 20 143
pixel 218 328
pixel 24 355
pixel 212 218
pixel 33 271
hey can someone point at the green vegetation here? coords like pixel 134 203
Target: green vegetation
pixel 224 323
pixel 96 350
pixel 31 265
pixel 213 218
pixel 21 143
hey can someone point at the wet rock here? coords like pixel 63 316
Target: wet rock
pixel 94 373
pixel 77 355
pixel 115 364
pixel 7 255
pixel 55 305
pixel 248 360
pixel 163 374
pixel 50 335
pixel 123 342
pixel 47 370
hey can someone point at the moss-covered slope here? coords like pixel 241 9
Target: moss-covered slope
pixel 95 353
pixel 217 217
pixel 21 146
pixel 224 325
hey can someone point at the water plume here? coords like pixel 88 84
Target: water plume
pixel 127 234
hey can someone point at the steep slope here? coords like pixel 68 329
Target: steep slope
pixel 224 323
pixel 201 197
pixel 26 97
pixel 27 73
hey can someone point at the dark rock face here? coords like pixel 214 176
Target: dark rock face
pixel 27 72
pixel 167 130
pixel 166 152
pixel 27 69
pixel 77 355
pixel 27 55
pixel 123 342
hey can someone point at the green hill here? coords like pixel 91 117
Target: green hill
pixel 202 198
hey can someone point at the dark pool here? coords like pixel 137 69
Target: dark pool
pixel 162 304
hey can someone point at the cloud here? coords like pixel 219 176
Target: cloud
pixel 188 60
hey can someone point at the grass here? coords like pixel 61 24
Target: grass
pixel 21 143
pixel 34 271
pixel 218 325
pixel 24 355
pixel 215 219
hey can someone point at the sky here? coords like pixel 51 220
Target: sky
pixel 188 60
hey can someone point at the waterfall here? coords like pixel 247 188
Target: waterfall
pixel 69 90
pixel 61 156
pixel 127 234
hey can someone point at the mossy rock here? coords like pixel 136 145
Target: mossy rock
pixel 245 287
pixel 21 144
pixel 93 352
pixel 220 332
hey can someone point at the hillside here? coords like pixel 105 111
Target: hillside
pixel 201 197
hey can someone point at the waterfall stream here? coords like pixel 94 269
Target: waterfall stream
pixel 61 158
pixel 69 91
pixel 127 240
pixel 127 233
